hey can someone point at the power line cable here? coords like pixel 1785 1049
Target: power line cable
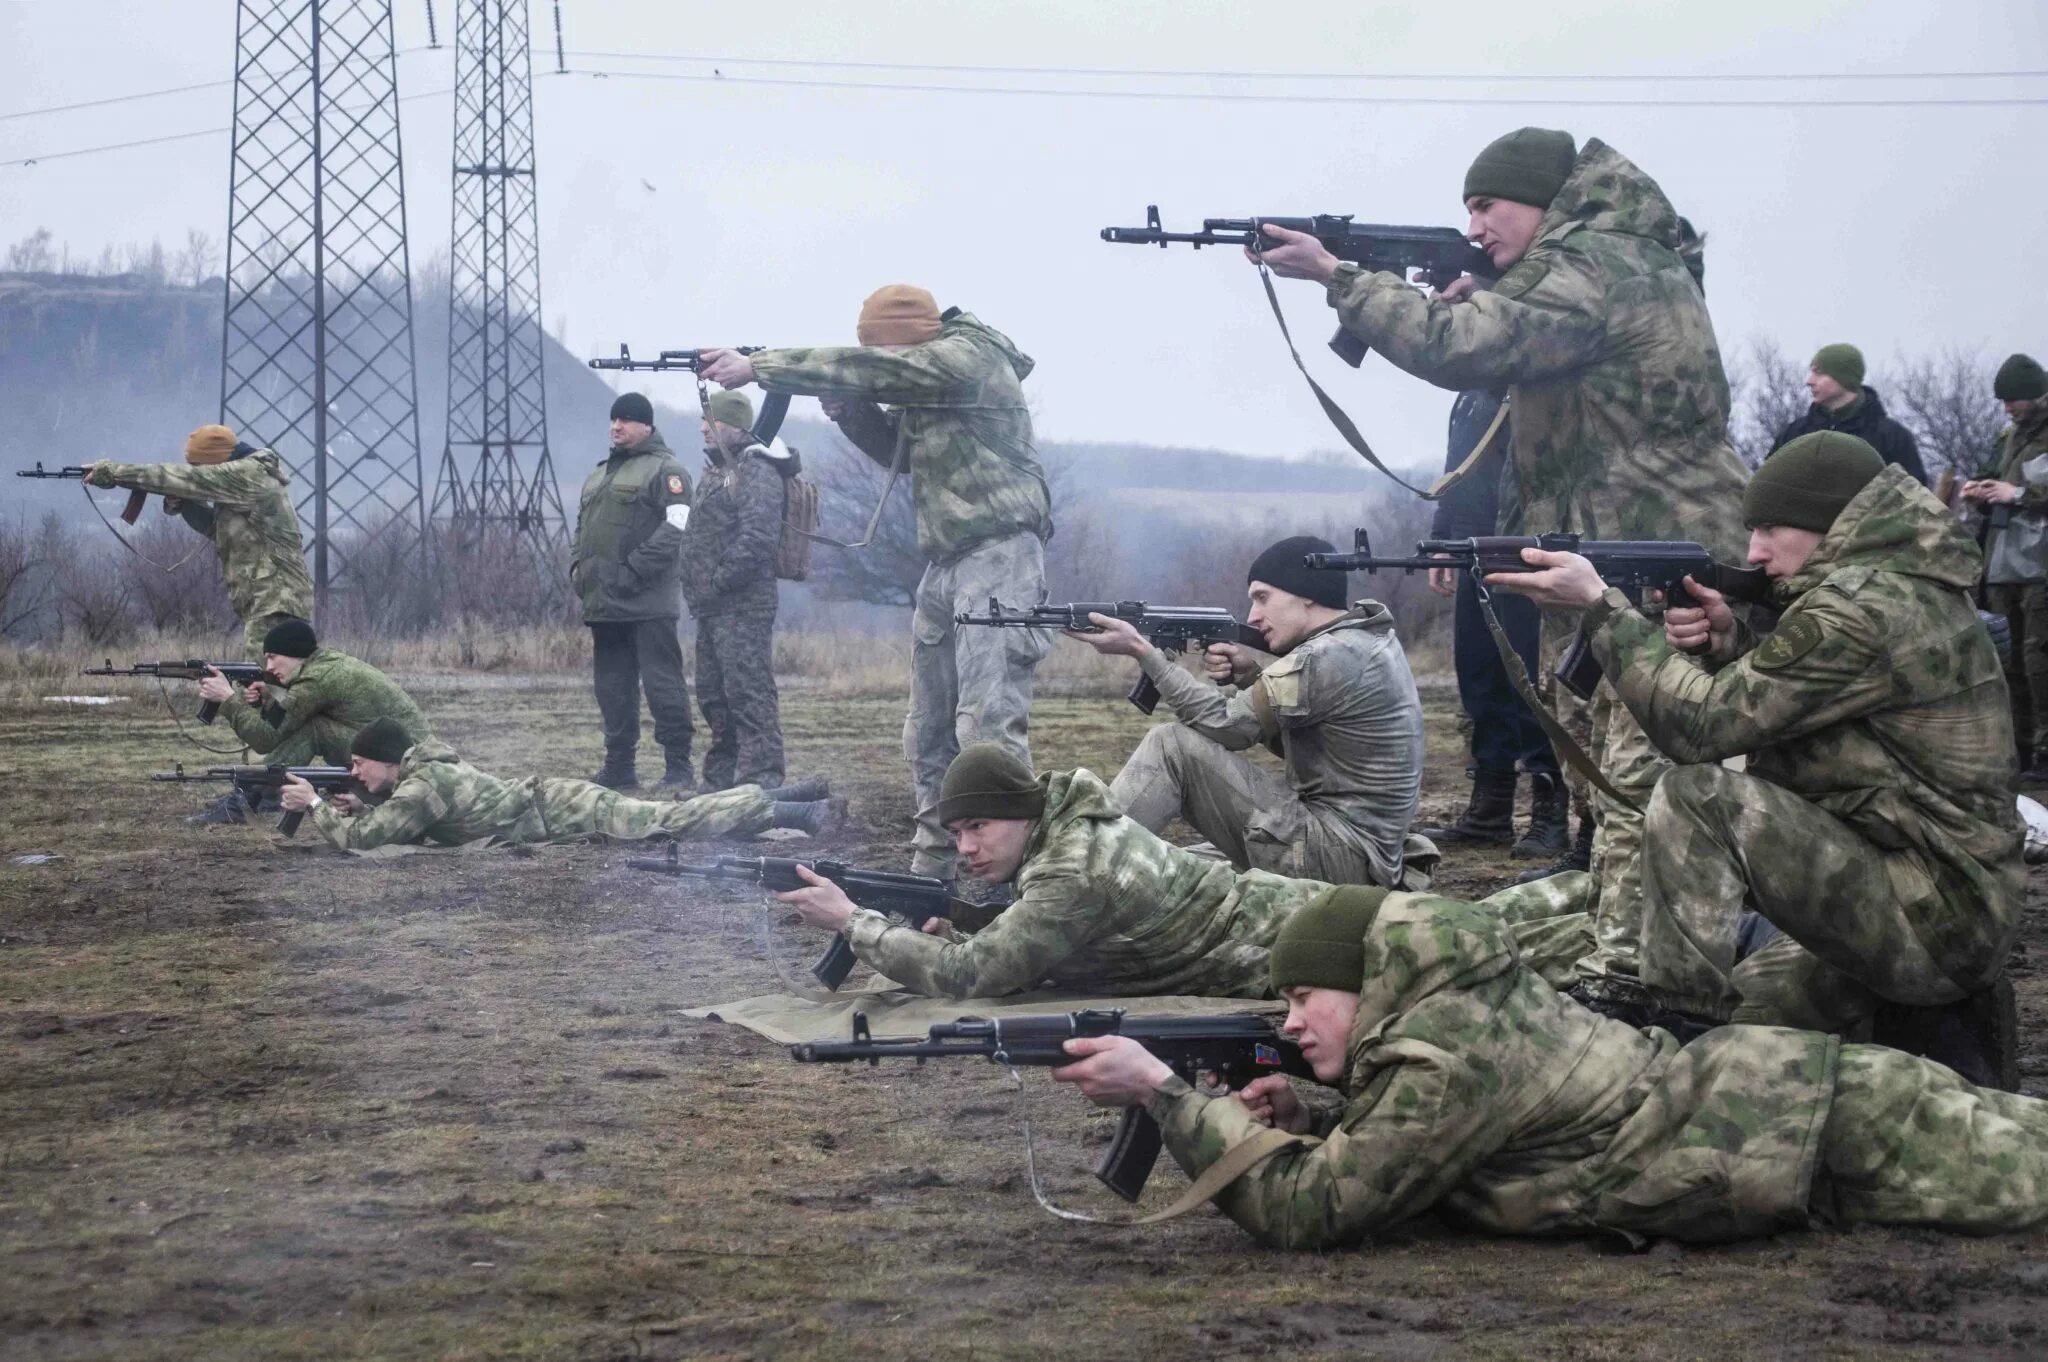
pixel 151 94
pixel 176 136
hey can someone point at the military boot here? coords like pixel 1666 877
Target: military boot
pixel 801 791
pixel 676 776
pixel 1550 817
pixel 1577 856
pixel 818 817
pixel 617 772
pixel 1489 817
pixel 1977 1036
pixel 232 807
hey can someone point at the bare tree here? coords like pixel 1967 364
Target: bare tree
pixel 1767 393
pixel 174 578
pixel 1946 400
pixel 32 254
pixel 28 560
pixel 849 486
pixel 199 260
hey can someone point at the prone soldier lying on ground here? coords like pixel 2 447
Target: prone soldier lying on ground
pixel 1105 906
pixel 319 700
pixel 1339 707
pixel 1476 1089
pixel 438 798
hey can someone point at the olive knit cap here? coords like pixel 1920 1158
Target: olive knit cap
pixel 1323 945
pixel 291 637
pixel 898 314
pixel 1841 362
pixel 733 409
pixel 210 444
pixel 987 781
pixel 1808 482
pixel 1528 165
pixel 382 739
pixel 2020 380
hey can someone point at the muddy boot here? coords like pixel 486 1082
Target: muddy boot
pixel 1550 817
pixel 232 807
pixel 1489 817
pixel 1578 856
pixel 676 776
pixel 818 817
pixel 1977 1036
pixel 801 791
pixel 617 772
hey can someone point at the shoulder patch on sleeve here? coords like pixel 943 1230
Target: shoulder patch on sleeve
pixel 1794 639
pixel 675 484
pixel 1520 278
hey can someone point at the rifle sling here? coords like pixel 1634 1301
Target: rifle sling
pixel 1238 1160
pixel 867 536
pixel 1566 746
pixel 1348 428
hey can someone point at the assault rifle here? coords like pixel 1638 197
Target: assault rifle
pixel 137 498
pixel 1235 1047
pixel 1435 256
pixel 1637 566
pixel 193 669
pixel 774 406
pixel 917 897
pixel 325 779
pixel 1172 627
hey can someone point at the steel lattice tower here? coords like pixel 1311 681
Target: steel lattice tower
pixel 316 345
pixel 497 400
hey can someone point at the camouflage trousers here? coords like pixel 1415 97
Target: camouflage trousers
pixel 736 691
pixel 563 809
pixel 318 742
pixel 1719 841
pixel 1249 814
pixel 968 684
pixel 1549 922
pixel 2025 607
pixel 253 630
pixel 1908 1142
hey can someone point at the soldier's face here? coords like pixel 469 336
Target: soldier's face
pixel 1825 390
pixel 374 776
pixel 1502 228
pixel 282 667
pixel 1283 617
pixel 625 433
pixel 991 848
pixel 1319 1021
pixel 1781 550
pixel 2022 409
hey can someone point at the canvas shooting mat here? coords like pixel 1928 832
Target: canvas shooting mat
pixel 894 1014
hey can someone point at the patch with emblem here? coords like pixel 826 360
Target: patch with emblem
pixel 675 484
pixel 1794 639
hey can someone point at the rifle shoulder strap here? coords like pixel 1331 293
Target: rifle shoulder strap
pixel 1561 740
pixel 1238 1160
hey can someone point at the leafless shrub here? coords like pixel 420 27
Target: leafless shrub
pixel 1767 393
pixel 28 572
pixel 98 601
pixel 173 578
pixel 849 486
pixel 1946 400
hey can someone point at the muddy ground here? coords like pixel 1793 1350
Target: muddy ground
pixel 263 1101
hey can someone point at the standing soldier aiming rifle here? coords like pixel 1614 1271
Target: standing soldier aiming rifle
pixel 960 427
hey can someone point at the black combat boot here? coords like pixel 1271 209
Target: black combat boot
pixel 1577 856
pixel 1489 817
pixel 818 817
pixel 801 791
pixel 232 807
pixel 1550 818
pixel 676 776
pixel 617 772
pixel 1977 1036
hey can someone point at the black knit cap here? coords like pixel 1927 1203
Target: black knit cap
pixel 2019 379
pixel 290 638
pixel 1323 945
pixel 382 739
pixel 633 407
pixel 1282 566
pixel 987 781
pixel 1808 482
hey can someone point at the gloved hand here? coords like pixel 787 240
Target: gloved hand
pixel 678 515
pixel 102 475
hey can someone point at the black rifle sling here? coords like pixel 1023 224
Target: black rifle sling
pixel 1349 429
pixel 1567 747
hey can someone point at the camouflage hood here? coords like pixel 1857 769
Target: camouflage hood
pixel 1413 952
pixel 268 460
pixel 1892 525
pixel 956 320
pixel 1607 192
pixel 1070 797
pixel 423 754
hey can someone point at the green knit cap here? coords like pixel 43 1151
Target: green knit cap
pixel 987 781
pixel 732 409
pixel 382 739
pixel 1528 165
pixel 1808 482
pixel 1842 362
pixel 2020 380
pixel 1323 945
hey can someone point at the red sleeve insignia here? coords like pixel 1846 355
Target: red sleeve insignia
pixel 675 484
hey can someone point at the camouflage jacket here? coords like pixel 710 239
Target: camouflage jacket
pixel 623 565
pixel 251 522
pixel 729 546
pixel 442 799
pixel 1879 697
pixel 1342 711
pixel 961 416
pixel 331 686
pixel 1475 1088
pixel 1102 907
pixel 2010 557
pixel 1602 337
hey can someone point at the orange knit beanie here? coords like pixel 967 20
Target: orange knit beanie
pixel 210 444
pixel 898 314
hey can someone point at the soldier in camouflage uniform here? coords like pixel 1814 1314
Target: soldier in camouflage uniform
pixel 439 799
pixel 1475 1089
pixel 1873 824
pixel 1105 907
pixel 319 699
pixel 1339 706
pixel 728 572
pixel 234 494
pixel 2014 500
pixel 1599 332
pixel 961 427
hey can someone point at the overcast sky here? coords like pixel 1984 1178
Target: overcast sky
pixel 682 212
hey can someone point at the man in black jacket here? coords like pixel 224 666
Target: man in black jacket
pixel 1842 401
